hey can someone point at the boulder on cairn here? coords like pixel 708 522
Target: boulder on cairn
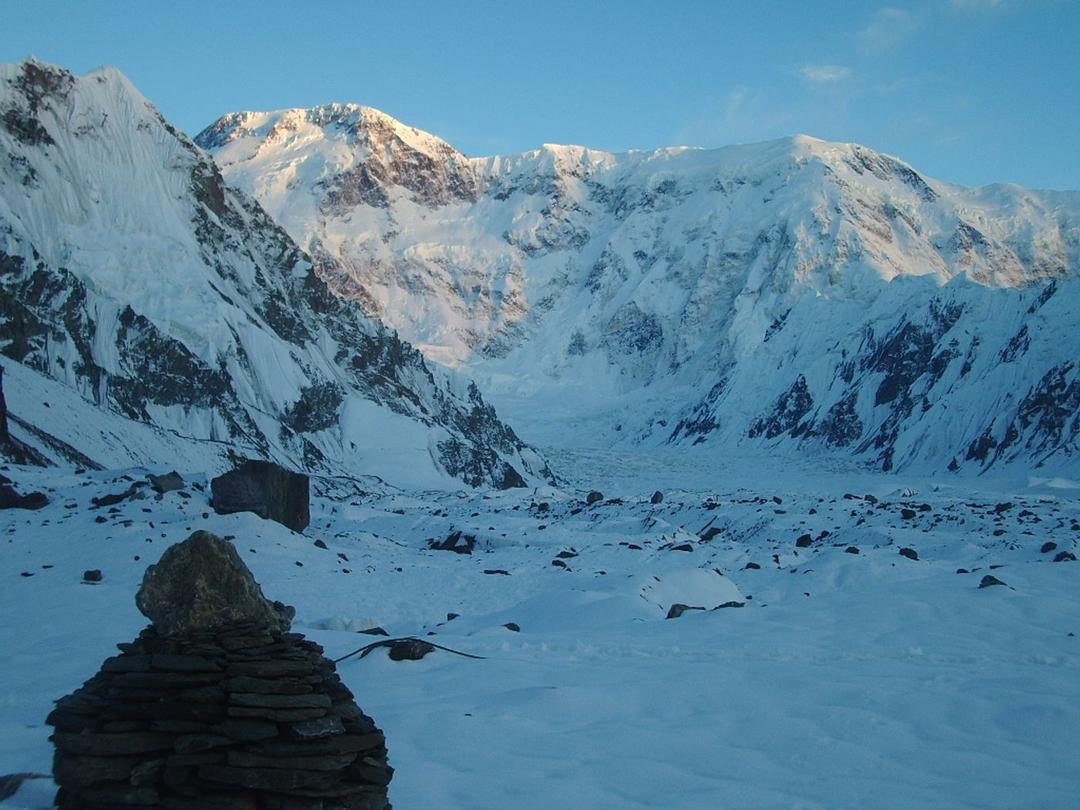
pixel 216 705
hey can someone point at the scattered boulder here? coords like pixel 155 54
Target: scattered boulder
pixel 678 609
pixel 804 541
pixel 513 627
pixel 1064 556
pixel 908 514
pixel 752 566
pixel 230 712
pixel 118 497
pixel 93 575
pixel 657 497
pixel 732 604
pixel 851 550
pixel 10 499
pixel 11 782
pixel 169 482
pixel 710 533
pixel 409 649
pixel 594 497
pixel 262 487
pixel 457 542
pixel 682 547
pixel 1047 547
pixel 910 553
pixel 989 581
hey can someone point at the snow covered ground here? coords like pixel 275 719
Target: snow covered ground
pixel 845 679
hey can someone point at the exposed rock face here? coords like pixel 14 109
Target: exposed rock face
pixel 209 712
pixel 262 487
pixel 202 584
pixel 690 286
pixel 258 357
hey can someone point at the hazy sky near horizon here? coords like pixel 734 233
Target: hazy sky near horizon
pixel 969 91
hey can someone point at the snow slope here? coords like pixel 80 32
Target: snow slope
pixel 797 295
pixel 134 275
pixel 844 680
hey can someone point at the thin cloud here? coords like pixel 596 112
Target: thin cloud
pixel 976 5
pixel 823 74
pixel 888 28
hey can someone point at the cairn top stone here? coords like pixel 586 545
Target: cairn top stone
pixel 202 584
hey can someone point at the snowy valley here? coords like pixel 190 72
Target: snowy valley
pixel 766 494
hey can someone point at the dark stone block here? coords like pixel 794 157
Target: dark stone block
pixel 678 609
pixel 272 701
pixel 183 663
pixel 166 483
pixel 269 686
pixel 112 745
pixel 273 779
pixel 262 487
pixel 318 762
pixel 412 649
pixel 277 715
pixel 456 542
pixel 246 730
pixel 82 771
pixel 315 729
pixel 198 743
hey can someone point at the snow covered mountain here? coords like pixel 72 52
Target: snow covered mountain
pixel 132 274
pixel 794 296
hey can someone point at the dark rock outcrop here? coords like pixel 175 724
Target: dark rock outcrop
pixel 226 711
pixel 166 483
pixel 11 499
pixel 455 541
pixel 262 487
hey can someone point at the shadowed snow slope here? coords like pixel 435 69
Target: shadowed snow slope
pixel 795 295
pixel 135 276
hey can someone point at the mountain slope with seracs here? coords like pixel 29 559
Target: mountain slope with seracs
pixel 134 275
pixel 795 295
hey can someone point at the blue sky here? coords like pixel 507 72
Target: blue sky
pixel 972 91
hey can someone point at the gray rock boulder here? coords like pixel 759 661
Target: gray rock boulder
pixel 201 584
pixel 262 487
pixel 166 483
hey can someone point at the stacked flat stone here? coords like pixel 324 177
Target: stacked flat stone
pixel 237 716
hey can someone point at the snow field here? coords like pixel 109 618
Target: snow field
pixel 846 680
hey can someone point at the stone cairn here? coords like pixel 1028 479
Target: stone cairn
pixel 216 705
